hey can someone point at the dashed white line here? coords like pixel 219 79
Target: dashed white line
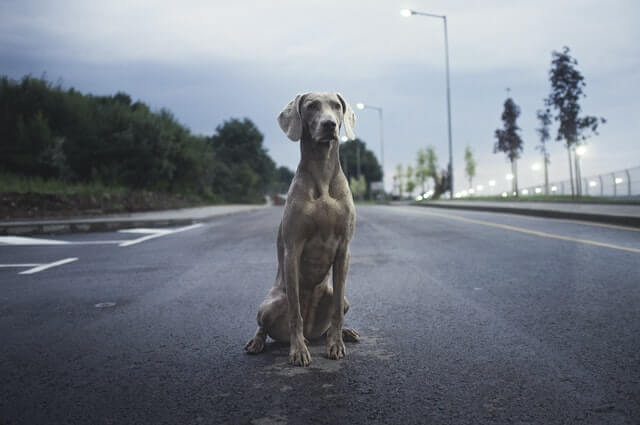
pixel 41 267
pixel 20 240
pixel 154 233
pixel 149 234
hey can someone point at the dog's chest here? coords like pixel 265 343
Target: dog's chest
pixel 330 218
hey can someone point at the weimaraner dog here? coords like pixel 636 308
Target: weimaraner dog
pixel 317 225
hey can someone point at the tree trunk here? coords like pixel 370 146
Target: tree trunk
pixel 546 174
pixel 570 171
pixel 514 182
pixel 576 161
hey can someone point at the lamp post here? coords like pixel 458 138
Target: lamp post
pixel 407 13
pixel 362 106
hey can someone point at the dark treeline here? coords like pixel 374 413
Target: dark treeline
pixel 52 132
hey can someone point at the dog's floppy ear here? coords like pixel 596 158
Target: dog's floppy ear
pixel 349 118
pixel 290 120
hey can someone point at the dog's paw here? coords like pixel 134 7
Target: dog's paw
pixel 350 335
pixel 255 345
pixel 300 356
pixel 336 350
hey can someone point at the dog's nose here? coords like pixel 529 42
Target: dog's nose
pixel 328 125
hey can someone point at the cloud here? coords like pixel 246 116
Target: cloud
pixel 212 60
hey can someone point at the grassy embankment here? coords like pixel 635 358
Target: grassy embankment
pixel 31 197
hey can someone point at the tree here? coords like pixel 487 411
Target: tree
pixel 431 165
pixel 544 117
pixel 369 166
pixel 421 169
pixel 246 170
pixel 410 182
pixel 567 84
pixel 399 179
pixel 283 179
pixel 441 182
pixel 358 187
pixel 508 139
pixel 469 165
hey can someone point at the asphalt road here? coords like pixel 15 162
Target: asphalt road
pixel 466 318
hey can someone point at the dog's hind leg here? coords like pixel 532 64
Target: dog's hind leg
pixel 349 334
pixel 272 321
pixel 256 344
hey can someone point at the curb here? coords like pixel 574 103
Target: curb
pixel 88 225
pixel 622 220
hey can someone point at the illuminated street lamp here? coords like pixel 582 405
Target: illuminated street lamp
pixel 362 106
pixel 407 13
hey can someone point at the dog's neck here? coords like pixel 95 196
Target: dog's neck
pixel 320 161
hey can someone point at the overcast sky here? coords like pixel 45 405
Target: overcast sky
pixel 208 61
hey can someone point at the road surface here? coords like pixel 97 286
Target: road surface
pixel 465 317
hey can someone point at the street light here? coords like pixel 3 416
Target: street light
pixel 536 166
pixel 362 106
pixel 407 13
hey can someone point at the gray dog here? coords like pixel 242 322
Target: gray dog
pixel 317 225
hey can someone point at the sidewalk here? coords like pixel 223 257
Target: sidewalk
pixel 107 223
pixel 624 214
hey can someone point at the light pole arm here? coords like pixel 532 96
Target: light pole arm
pixel 431 15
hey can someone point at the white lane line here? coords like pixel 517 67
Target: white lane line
pixel 149 234
pixel 18 265
pixel 154 233
pixel 105 242
pixel 533 232
pixel 19 240
pixel 42 267
pixel 145 230
pixel 36 242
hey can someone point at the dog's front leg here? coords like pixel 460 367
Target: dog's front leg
pixel 298 352
pixel 335 345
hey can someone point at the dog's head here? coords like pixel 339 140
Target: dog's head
pixel 320 115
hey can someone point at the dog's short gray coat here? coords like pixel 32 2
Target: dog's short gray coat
pixel 313 240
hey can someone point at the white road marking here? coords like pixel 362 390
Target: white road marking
pixel 20 240
pixel 154 233
pixel 149 234
pixel 42 267
pixel 533 232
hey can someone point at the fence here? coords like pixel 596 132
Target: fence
pixel 624 183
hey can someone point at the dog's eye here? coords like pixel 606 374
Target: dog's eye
pixel 313 105
pixel 336 105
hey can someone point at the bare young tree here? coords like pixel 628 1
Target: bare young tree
pixel 399 178
pixel 421 169
pixel 544 117
pixel 469 165
pixel 508 139
pixel 410 182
